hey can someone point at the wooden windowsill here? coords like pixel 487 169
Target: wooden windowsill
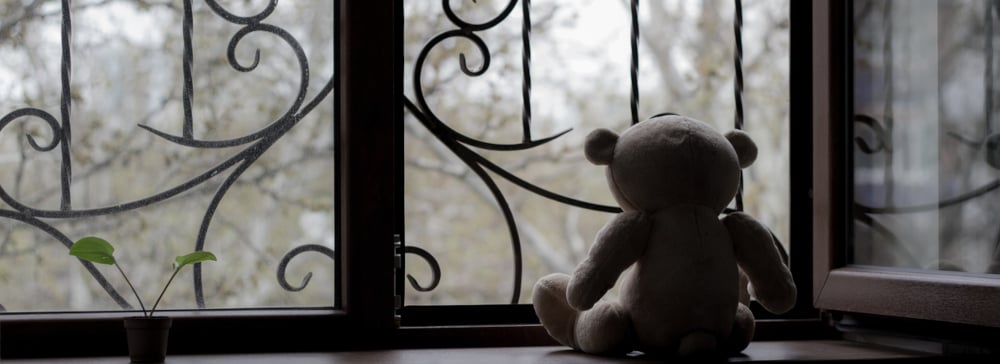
pixel 765 351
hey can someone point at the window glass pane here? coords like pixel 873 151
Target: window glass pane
pixel 925 149
pixel 579 76
pixel 152 195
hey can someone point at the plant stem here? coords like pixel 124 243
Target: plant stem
pixel 133 290
pixel 178 269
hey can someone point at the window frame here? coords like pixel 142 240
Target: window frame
pixel 867 290
pixel 370 69
pixel 800 175
pixel 363 313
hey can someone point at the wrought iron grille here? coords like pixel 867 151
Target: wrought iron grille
pixel 230 160
pixel 479 153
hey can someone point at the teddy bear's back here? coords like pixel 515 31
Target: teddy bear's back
pixel 686 280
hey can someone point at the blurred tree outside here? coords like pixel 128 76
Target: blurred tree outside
pixel 580 80
pixel 126 72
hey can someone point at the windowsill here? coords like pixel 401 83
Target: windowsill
pixel 247 313
pixel 89 334
pixel 224 332
pixel 765 351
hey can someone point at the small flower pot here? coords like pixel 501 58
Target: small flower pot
pixel 147 338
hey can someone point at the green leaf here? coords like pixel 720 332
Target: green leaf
pixel 93 249
pixel 195 257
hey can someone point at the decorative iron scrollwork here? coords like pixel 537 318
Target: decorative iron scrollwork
pixel 254 144
pixel 283 264
pixel 459 143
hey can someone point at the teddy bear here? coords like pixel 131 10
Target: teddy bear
pixel 673 177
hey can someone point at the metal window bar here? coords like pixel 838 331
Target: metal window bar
pixel 458 143
pixel 253 145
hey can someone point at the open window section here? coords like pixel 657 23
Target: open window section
pixel 910 243
pixel 499 97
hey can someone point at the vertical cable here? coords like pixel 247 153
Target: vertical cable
pixel 634 69
pixel 65 105
pixel 738 83
pixel 188 25
pixel 526 69
pixel 738 63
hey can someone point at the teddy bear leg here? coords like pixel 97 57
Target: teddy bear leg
pixel 698 344
pixel 604 329
pixel 743 329
pixel 549 300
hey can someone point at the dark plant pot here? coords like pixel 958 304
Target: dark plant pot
pixel 147 338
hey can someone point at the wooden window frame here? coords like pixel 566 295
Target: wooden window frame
pixel 841 287
pixel 517 325
pixel 801 251
pixel 370 68
pixel 370 73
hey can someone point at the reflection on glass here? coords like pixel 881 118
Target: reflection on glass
pixel 925 149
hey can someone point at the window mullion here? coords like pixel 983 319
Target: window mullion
pixel 369 117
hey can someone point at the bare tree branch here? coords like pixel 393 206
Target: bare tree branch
pixel 7 25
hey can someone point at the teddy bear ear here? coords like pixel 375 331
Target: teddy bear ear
pixel 600 146
pixel 746 149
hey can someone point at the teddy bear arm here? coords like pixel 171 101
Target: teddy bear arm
pixel 619 244
pixel 760 260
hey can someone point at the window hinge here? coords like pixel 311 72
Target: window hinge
pixel 397 247
pixel 397 259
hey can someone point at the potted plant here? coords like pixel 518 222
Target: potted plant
pixel 147 334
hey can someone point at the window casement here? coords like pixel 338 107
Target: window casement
pixel 894 287
pixel 362 313
pixel 484 53
pixel 369 103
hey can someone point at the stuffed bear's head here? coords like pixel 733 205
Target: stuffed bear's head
pixel 669 160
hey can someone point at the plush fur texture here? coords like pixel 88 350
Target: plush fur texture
pixel 681 295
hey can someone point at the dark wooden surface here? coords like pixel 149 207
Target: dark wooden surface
pixel 769 351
